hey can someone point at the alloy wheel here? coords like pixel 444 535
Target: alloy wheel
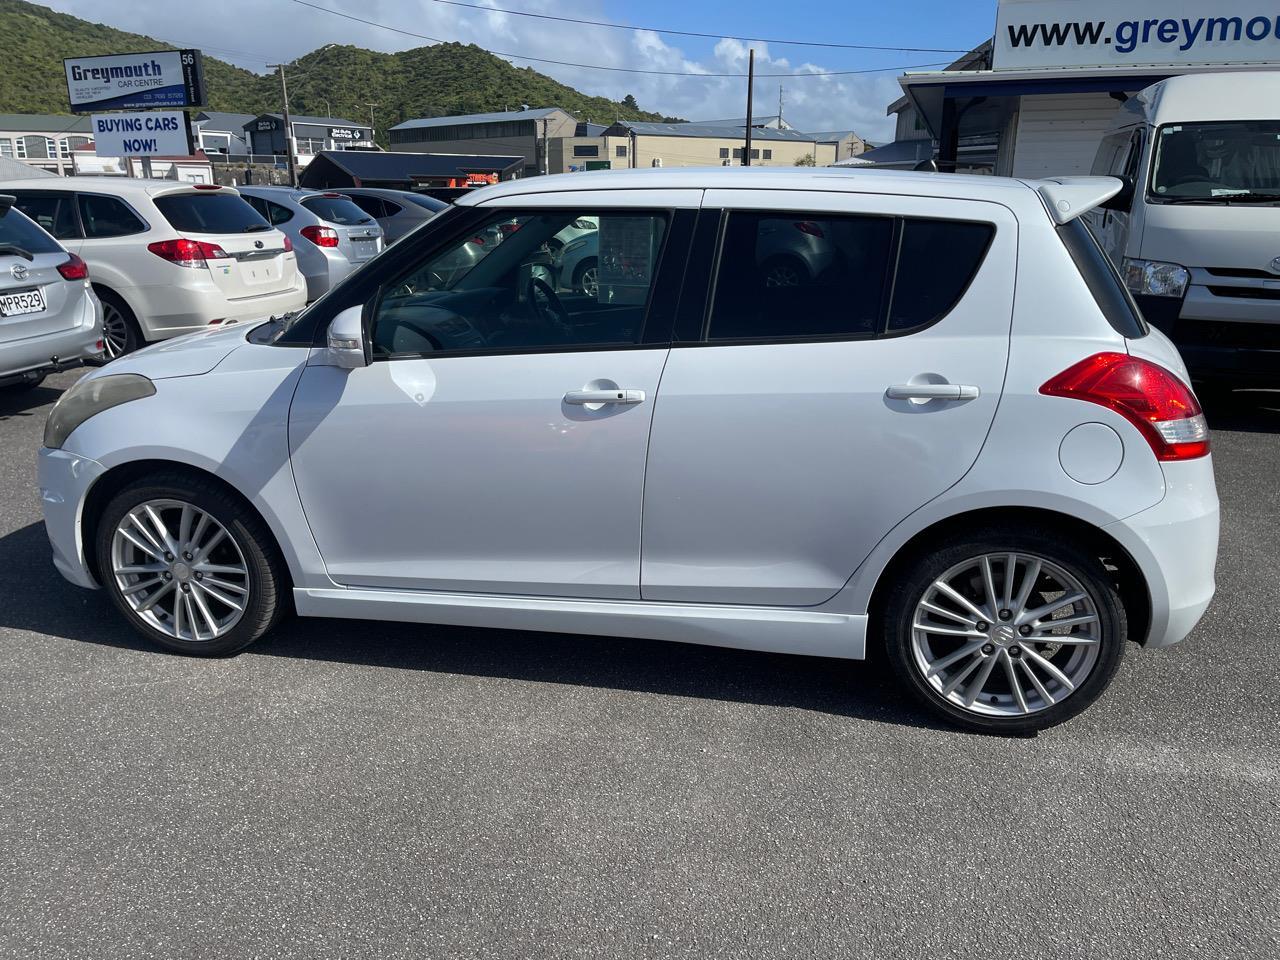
pixel 782 275
pixel 1006 635
pixel 180 570
pixel 589 282
pixel 115 331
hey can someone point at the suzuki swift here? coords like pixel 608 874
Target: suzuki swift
pixel 953 441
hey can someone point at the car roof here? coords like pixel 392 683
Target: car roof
pixel 1205 97
pixel 119 186
pixel 290 193
pixel 826 179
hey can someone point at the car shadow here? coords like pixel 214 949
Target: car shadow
pixel 34 598
pixel 1244 411
pixel 22 403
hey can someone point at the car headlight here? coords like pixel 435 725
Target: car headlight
pixel 89 397
pixel 1154 278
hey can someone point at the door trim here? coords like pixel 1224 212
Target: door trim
pixel 770 629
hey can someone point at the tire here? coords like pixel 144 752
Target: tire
pixel 246 543
pixel 919 657
pixel 120 331
pixel 585 277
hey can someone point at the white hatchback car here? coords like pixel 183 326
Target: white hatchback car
pixel 958 443
pixel 166 258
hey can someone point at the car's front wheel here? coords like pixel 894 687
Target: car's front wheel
pixel 190 566
pixel 1006 632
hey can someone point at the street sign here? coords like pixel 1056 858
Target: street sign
pixel 134 81
pixel 157 134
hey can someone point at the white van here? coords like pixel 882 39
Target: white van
pixel 1196 231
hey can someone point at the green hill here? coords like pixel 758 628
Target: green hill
pixel 449 78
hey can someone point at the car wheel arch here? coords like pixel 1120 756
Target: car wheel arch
pixel 1125 570
pixel 122 475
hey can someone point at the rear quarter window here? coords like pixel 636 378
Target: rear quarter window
pixel 339 210
pixel 937 259
pixel 17 231
pixel 210 213
pixel 1099 274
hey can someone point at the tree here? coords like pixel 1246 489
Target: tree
pixel 630 102
pixel 806 161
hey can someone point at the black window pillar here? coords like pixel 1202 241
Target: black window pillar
pixel 949 136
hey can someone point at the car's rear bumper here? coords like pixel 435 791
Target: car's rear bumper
pixel 176 310
pixel 1175 544
pixel 64 479
pixel 48 353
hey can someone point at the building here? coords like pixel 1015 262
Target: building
pixel 524 133
pixel 194 168
pixel 1036 99
pixel 630 143
pixel 397 170
pixel 842 144
pixel 222 135
pixel 44 141
pixel 265 135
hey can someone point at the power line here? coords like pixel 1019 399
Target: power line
pixel 597 66
pixel 690 33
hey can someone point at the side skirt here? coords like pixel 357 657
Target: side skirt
pixel 773 629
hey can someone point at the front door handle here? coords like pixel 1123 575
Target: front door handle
pixel 923 392
pixel 584 397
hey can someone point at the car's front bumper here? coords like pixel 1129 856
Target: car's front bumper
pixel 1175 544
pixel 65 479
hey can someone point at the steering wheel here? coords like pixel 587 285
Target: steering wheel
pixel 549 308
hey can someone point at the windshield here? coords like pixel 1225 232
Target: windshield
pixel 17 233
pixel 210 213
pixel 334 208
pixel 1217 162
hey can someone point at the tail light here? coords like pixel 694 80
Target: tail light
pixel 207 186
pixel 74 269
pixel 288 244
pixel 321 236
pixel 187 253
pixel 809 227
pixel 1154 400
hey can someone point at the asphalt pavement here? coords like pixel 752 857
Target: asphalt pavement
pixel 377 790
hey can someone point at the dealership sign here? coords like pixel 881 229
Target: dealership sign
pixel 1116 33
pixel 133 81
pixel 347 133
pixel 160 133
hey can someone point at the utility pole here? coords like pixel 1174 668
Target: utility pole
pixel 288 127
pixel 370 106
pixel 751 80
pixel 780 126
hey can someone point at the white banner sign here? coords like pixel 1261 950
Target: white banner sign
pixel 158 133
pixel 135 81
pixel 1079 33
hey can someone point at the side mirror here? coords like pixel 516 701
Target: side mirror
pixel 1123 200
pixel 348 347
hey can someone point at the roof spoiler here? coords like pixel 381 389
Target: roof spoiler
pixel 7 200
pixel 1068 197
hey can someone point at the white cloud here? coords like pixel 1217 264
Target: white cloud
pixel 251 33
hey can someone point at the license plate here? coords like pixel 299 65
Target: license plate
pixel 365 249
pixel 25 301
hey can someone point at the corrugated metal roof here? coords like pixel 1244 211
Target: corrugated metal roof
pixel 831 136
pixel 709 131
pixel 402 167
pixel 44 122
pixel 318 121
pixel 224 122
pixel 499 117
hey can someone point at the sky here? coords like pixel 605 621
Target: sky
pixel 252 33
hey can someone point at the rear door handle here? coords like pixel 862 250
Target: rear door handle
pixel 583 397
pixel 932 391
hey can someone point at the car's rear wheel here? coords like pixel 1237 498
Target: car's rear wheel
pixel 1006 632
pixel 120 331
pixel 586 278
pixel 191 567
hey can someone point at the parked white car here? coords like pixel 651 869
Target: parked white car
pixel 49 318
pixel 963 447
pixel 166 258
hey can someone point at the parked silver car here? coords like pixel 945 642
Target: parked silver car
pixel 331 235
pixel 50 318
pixel 398 212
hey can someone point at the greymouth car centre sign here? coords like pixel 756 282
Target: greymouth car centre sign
pixel 132 81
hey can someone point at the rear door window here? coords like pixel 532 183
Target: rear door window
pixel 336 209
pixel 54 212
pixel 19 233
pixel 373 206
pixel 210 213
pixel 104 216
